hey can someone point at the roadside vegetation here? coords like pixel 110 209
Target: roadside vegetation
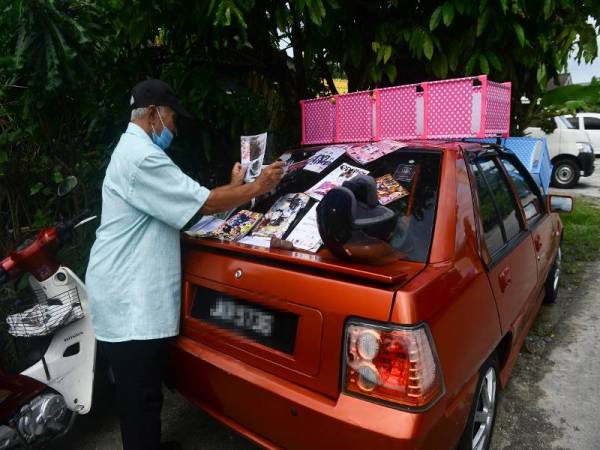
pixel 581 238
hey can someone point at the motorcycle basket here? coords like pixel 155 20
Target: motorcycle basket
pixel 34 314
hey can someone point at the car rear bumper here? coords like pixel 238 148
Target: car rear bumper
pixel 275 413
pixel 586 161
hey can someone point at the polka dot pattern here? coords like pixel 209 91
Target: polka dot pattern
pixel 449 108
pixel 397 112
pixel 497 118
pixel 354 117
pixel 319 121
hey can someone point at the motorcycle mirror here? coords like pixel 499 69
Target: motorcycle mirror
pixel 67 185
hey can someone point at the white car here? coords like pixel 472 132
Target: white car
pixel 570 150
pixel 589 123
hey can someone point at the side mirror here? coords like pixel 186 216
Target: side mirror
pixel 560 203
pixel 67 185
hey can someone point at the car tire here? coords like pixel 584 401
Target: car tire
pixel 482 417
pixel 565 173
pixel 551 283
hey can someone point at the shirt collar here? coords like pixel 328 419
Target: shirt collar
pixel 138 131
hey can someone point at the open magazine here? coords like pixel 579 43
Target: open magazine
pixel 343 172
pixel 366 153
pixel 389 189
pixel 252 155
pixel 281 215
pixel 324 157
pixel 305 236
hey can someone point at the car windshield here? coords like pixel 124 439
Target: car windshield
pixel 565 122
pixel 414 173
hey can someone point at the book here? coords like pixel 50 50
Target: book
pixel 324 157
pixel 237 226
pixel 389 190
pixel 305 235
pixel 366 153
pixel 281 215
pixel 335 178
pixel 404 173
pixel 252 155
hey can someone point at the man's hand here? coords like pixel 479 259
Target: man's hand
pixel 270 177
pixel 237 174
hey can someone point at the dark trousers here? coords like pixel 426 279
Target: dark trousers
pixel 138 368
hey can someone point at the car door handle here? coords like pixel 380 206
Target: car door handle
pixel 537 242
pixel 504 279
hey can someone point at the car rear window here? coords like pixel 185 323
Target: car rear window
pixel 417 170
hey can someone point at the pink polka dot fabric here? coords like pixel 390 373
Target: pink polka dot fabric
pixel 354 117
pixel 318 121
pixel 497 116
pixel 396 112
pixel 448 108
pixel 456 108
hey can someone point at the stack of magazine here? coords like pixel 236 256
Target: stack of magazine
pixel 293 216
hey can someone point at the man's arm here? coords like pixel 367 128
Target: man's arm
pixel 232 195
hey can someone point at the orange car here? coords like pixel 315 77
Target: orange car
pixel 300 350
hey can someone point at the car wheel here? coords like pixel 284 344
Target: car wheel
pixel 480 425
pixel 553 278
pixel 565 174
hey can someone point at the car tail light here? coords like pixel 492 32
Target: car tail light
pixel 391 364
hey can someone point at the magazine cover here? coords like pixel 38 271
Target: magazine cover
pixel 324 157
pixel 237 226
pixel 205 226
pixel 305 236
pixel 366 153
pixel 389 189
pixel 343 172
pixel 283 212
pixel 405 173
pixel 252 155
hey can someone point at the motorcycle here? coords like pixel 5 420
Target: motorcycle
pixel 47 343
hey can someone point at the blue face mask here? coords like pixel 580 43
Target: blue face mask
pixel 164 139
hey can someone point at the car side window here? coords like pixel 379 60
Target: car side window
pixel 574 121
pixel 528 196
pixel 496 203
pixel 591 123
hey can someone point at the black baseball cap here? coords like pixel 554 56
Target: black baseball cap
pixel 158 93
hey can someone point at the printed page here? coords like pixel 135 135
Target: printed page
pixel 336 178
pixel 281 215
pixel 324 157
pixel 305 236
pixel 252 155
pixel 366 153
pixel 237 226
pixel 389 189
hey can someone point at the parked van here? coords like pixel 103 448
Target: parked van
pixel 589 123
pixel 570 150
pixel 302 350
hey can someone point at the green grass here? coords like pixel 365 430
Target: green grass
pixel 581 238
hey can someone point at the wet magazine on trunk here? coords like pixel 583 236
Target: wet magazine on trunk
pixel 281 215
pixel 336 178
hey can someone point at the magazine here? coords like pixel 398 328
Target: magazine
pixel 389 189
pixel 205 226
pixel 281 215
pixel 237 226
pixel 366 153
pixel 324 157
pixel 305 236
pixel 343 172
pixel 252 155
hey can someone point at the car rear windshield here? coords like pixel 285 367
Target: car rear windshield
pixel 416 170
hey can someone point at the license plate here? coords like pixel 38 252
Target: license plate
pixel 271 327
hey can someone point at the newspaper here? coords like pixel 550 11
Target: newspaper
pixel 343 172
pixel 366 153
pixel 252 155
pixel 305 236
pixel 324 157
pixel 281 215
pixel 389 189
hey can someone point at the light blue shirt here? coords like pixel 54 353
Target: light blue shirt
pixel 134 273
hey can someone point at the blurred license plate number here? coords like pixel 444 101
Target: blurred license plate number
pixel 243 317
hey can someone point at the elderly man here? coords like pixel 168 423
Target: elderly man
pixel 134 273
